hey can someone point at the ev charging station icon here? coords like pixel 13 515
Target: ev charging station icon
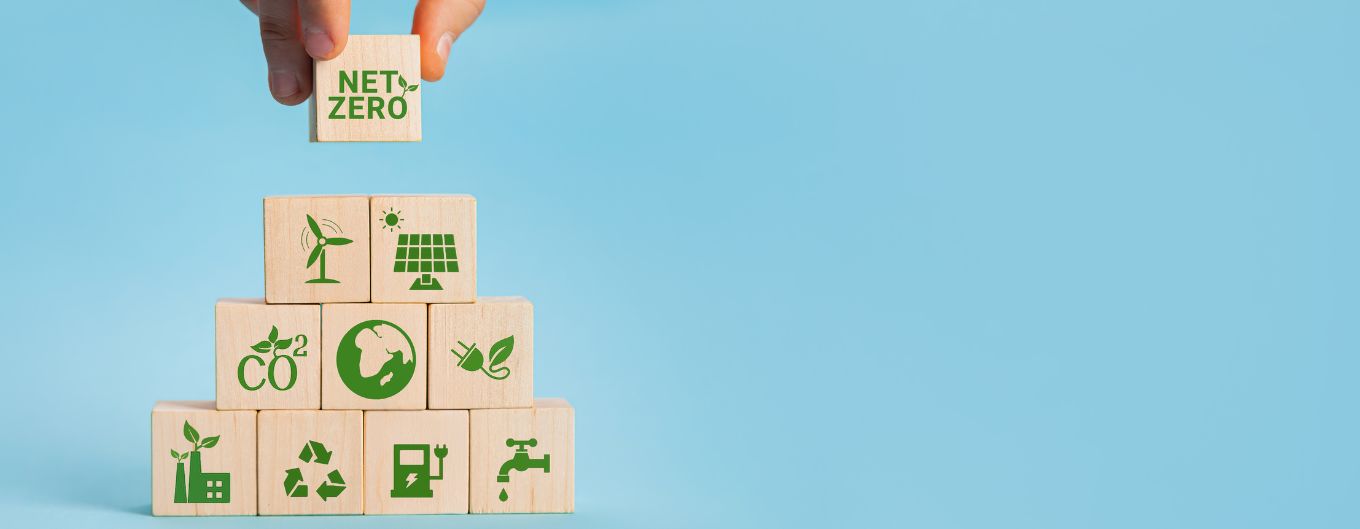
pixel 411 475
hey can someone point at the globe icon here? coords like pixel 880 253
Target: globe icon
pixel 376 359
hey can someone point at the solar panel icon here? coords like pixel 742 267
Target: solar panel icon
pixel 425 254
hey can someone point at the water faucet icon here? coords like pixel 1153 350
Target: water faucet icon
pixel 520 460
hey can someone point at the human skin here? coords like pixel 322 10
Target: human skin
pixel 296 32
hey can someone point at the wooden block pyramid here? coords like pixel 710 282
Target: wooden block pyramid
pixel 370 379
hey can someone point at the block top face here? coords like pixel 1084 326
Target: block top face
pixel 424 248
pixel 184 405
pixel 316 249
pixel 240 301
pixel 504 299
pixel 370 92
pixel 553 402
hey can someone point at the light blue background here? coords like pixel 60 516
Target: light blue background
pixel 1060 264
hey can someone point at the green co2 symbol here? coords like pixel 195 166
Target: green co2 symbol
pixel 273 345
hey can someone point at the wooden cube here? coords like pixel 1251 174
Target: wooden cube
pixel 374 356
pixel 311 462
pixel 268 356
pixel 424 248
pixel 416 462
pixel 316 249
pixel 523 459
pixel 202 460
pixel 371 92
pixel 482 354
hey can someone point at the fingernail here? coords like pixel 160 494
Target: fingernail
pixel 282 84
pixel 445 42
pixel 317 42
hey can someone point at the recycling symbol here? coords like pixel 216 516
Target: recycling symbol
pixel 313 452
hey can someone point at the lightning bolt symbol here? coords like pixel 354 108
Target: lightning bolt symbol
pixel 410 478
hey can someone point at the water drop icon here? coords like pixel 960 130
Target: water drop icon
pixel 504 496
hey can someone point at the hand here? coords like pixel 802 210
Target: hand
pixel 295 32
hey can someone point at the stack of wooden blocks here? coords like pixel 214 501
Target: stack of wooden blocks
pixel 370 379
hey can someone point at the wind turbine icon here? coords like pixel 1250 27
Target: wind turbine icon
pixel 319 252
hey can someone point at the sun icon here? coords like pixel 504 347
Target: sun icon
pixel 391 219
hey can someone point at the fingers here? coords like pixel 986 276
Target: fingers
pixel 439 23
pixel 252 5
pixel 325 27
pixel 290 68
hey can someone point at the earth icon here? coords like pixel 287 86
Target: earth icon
pixel 376 359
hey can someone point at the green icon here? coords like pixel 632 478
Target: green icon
pixel 376 359
pixel 199 487
pixel 425 254
pixel 390 219
pixel 365 105
pixel 471 359
pixel 521 461
pixel 411 470
pixel 405 88
pixel 313 452
pixel 273 345
pixel 320 243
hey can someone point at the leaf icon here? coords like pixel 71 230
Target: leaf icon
pixel 283 344
pixel 190 433
pixel 262 347
pixel 414 87
pixel 401 81
pixel 500 351
pixel 210 442
pixel 174 454
pixel 273 333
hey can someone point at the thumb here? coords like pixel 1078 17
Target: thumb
pixel 439 23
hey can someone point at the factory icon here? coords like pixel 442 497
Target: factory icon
pixel 197 486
